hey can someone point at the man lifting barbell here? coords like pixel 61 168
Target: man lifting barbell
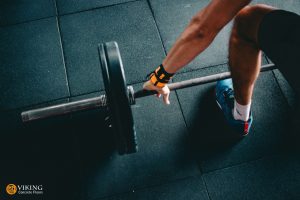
pixel 256 28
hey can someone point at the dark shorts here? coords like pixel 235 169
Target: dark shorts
pixel 279 38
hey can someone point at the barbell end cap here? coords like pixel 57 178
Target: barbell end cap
pixel 25 117
pixel 131 95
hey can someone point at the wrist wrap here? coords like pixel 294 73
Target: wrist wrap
pixel 160 77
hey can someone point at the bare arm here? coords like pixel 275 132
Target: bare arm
pixel 201 31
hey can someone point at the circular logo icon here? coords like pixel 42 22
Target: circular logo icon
pixel 11 189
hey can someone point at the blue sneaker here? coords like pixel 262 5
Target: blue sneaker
pixel 225 100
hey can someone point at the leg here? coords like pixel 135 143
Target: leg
pixel 257 28
pixel 244 62
pixel 244 52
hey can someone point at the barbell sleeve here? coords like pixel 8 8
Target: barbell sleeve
pixel 64 108
pixel 197 81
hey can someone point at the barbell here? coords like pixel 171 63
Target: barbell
pixel 118 98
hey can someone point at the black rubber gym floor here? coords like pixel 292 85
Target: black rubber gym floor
pixel 48 55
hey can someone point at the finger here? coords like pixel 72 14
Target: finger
pixel 166 98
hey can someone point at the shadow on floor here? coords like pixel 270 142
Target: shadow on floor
pixel 52 152
pixel 210 135
pixel 209 132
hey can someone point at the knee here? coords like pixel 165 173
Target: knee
pixel 251 13
pixel 247 21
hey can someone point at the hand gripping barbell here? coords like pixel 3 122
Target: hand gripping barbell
pixel 119 97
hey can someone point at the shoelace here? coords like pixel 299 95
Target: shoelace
pixel 229 96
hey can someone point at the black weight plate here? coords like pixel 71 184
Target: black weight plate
pixel 118 99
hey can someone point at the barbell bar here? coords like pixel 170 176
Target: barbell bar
pixel 101 101
pixel 118 98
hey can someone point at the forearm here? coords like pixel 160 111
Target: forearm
pixel 201 31
pixel 191 43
